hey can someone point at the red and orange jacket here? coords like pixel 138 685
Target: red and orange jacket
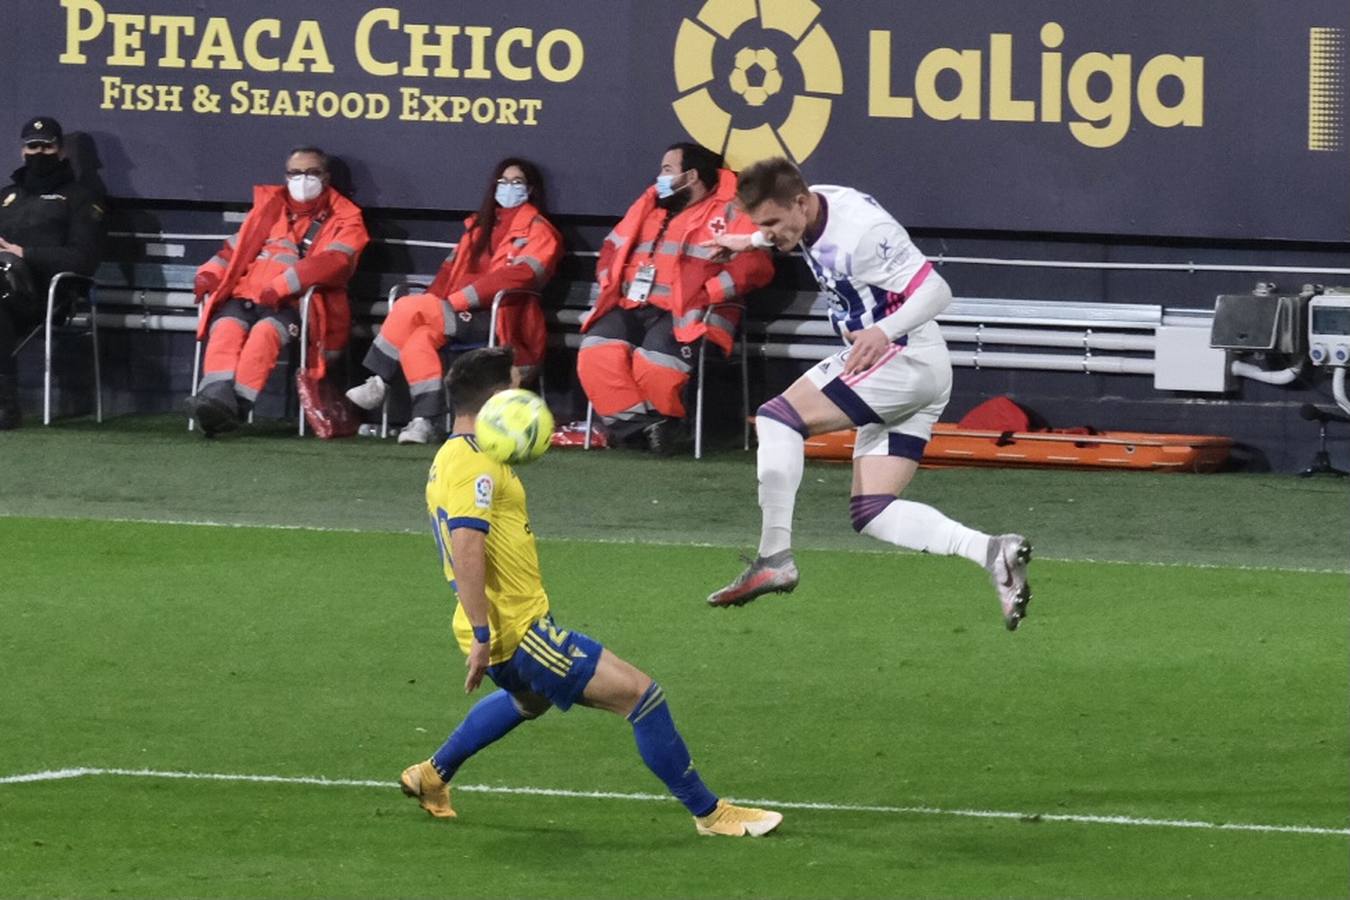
pixel 524 259
pixel 262 252
pixel 698 281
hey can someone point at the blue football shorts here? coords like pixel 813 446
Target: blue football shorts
pixel 552 662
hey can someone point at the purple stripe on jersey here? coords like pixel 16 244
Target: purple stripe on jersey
pixel 853 406
pixel 906 446
pixel 863 508
pixel 781 411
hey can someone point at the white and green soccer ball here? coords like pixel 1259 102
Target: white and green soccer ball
pixel 514 426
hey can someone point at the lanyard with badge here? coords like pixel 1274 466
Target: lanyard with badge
pixel 640 288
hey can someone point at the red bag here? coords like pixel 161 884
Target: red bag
pixel 327 410
pixel 573 434
pixel 997 414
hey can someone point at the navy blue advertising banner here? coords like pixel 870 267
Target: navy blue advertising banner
pixel 1209 118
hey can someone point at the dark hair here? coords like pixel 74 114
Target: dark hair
pixel 476 376
pixel 486 217
pixel 774 179
pixel 306 148
pixel 702 160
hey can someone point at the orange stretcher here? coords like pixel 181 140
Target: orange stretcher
pixel 955 446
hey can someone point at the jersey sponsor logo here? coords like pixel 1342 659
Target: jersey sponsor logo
pixel 53 196
pixel 482 492
pixel 776 97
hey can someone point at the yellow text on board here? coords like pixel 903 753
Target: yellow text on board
pixel 384 45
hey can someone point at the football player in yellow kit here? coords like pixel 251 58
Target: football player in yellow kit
pixel 503 624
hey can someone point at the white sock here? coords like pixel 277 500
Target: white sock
pixel 782 454
pixel 921 527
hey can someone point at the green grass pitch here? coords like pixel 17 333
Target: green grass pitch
pixel 1184 668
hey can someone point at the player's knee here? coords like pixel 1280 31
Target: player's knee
pixel 780 410
pixel 863 508
pixel 649 698
pixel 530 706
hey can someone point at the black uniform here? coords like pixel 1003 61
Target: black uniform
pixel 59 224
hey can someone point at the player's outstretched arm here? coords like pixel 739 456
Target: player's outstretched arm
pixel 468 548
pixel 726 245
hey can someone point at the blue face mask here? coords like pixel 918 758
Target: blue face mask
pixel 512 195
pixel 665 186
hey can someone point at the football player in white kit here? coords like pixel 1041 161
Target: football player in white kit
pixel 891 381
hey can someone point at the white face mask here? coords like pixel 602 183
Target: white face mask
pixel 512 195
pixel 304 188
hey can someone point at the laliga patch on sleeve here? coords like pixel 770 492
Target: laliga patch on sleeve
pixel 482 492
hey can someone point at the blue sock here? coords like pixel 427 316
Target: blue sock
pixel 664 752
pixel 491 719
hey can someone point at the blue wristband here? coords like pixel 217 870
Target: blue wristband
pixel 482 634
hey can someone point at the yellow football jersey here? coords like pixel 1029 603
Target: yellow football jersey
pixel 468 489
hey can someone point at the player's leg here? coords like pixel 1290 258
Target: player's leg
pixel 490 720
pixel 782 426
pixel 913 391
pixel 622 688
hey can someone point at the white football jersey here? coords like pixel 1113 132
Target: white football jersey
pixel 866 264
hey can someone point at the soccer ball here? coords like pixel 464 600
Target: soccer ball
pixel 514 426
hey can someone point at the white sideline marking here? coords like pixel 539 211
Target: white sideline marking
pixel 1076 818
pixel 280 526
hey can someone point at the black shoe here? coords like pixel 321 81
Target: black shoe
pixel 213 414
pixel 665 438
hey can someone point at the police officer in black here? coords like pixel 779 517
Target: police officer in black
pixel 49 223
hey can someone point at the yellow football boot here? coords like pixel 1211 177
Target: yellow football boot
pixel 423 782
pixel 737 821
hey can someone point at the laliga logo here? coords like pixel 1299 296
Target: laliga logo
pixel 731 79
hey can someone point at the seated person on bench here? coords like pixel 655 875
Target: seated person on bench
pixel 657 278
pixel 299 235
pixel 507 245
pixel 49 223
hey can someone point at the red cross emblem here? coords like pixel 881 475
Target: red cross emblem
pixel 717 226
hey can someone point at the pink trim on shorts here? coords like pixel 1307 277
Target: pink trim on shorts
pixel 886 357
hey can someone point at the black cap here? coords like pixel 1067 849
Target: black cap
pixel 42 128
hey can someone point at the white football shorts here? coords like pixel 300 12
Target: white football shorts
pixel 903 395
